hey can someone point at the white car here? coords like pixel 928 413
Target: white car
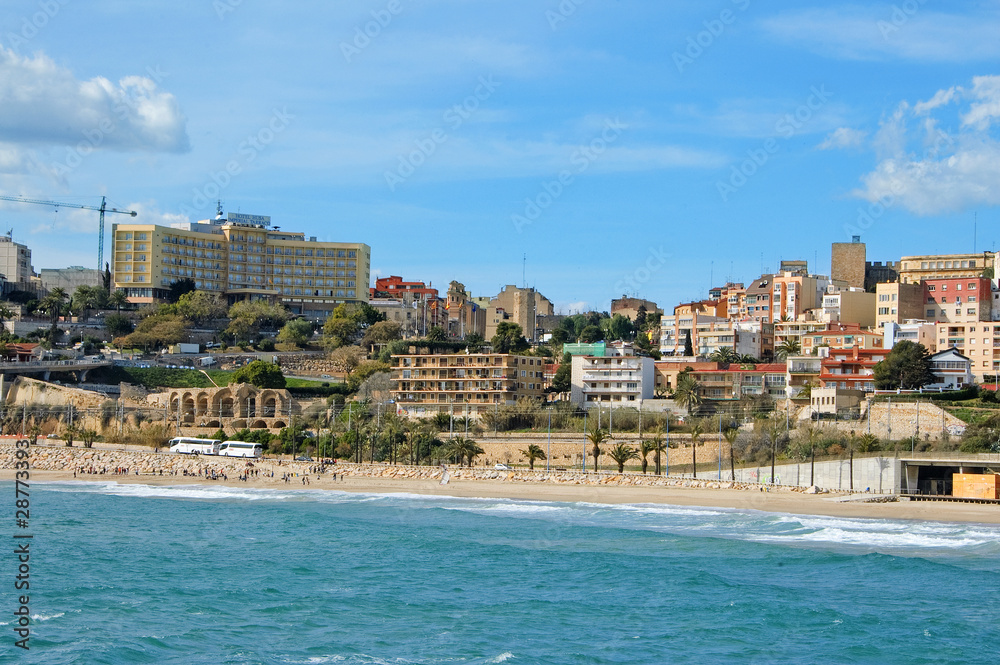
pixel 501 467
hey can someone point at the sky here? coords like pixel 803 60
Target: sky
pixel 588 148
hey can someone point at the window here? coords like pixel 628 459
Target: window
pixel 972 286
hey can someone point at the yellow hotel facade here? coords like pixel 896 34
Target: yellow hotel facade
pixel 241 257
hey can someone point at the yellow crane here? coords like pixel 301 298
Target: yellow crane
pixel 103 208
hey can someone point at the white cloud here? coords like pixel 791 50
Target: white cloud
pixel 940 98
pixel 577 307
pixel 44 105
pixel 886 31
pixel 844 137
pixel 929 170
pixel 986 90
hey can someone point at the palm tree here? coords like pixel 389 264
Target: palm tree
pixel 5 314
pixel 645 447
pixel 596 436
pixel 790 347
pixel 747 359
pixel 621 453
pixel 724 355
pixel 731 434
pixel 686 394
pixel 118 299
pixel 533 452
pixel 697 429
pixel 659 446
pixel 463 449
pixel 53 303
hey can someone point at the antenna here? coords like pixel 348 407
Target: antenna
pixel 524 268
pixel 975 230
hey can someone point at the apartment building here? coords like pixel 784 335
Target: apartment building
pixel 618 379
pixel 958 300
pixel 802 372
pixel 851 368
pixel 979 341
pixel 425 382
pixel 735 381
pixel 240 257
pixel 15 265
pixel 897 302
pixel 914 269
pixel 951 370
pixel 849 305
pixel 795 330
pixel 415 306
pixel 841 336
pixel 629 307
pixel 918 332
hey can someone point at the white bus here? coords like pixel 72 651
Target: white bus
pixel 190 446
pixel 240 449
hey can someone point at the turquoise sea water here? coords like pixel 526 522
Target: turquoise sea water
pixel 139 574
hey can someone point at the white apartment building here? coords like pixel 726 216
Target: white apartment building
pixel 621 380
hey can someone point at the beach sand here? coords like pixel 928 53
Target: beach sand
pixel 777 501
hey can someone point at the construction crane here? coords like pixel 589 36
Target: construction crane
pixel 102 209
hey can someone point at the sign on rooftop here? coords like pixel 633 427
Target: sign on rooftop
pixel 240 218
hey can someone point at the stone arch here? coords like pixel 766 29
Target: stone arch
pixel 278 424
pixel 187 408
pixel 238 423
pixel 201 404
pixel 213 423
pixel 269 403
pixel 258 424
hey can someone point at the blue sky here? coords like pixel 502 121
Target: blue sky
pixel 640 147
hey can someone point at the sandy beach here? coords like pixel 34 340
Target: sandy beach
pixel 774 501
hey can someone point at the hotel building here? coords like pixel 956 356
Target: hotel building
pixel 463 383
pixel 241 257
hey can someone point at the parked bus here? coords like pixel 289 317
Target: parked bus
pixel 240 449
pixel 190 446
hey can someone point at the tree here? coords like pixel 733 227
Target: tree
pixel 620 327
pixel 790 347
pixel 364 370
pixel 106 278
pixel 596 437
pixel 622 453
pixel 731 434
pixel 724 355
pixel 686 394
pixel 156 331
pixel 688 347
pixel 53 304
pixel 346 358
pixel 179 287
pixel 509 338
pixel 908 366
pixel 118 325
pixel 86 298
pixel 591 334
pixel 533 452
pixel 436 334
pixel 381 333
pixel 339 331
pixel 200 307
pixel 561 382
pixel 645 447
pixel 248 317
pixel 474 342
pixel 660 445
pixel 259 373
pixel 118 299
pixel 296 331
pixel 697 429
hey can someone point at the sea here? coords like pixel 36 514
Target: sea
pixel 210 574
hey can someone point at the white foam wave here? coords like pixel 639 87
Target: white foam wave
pixel 506 655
